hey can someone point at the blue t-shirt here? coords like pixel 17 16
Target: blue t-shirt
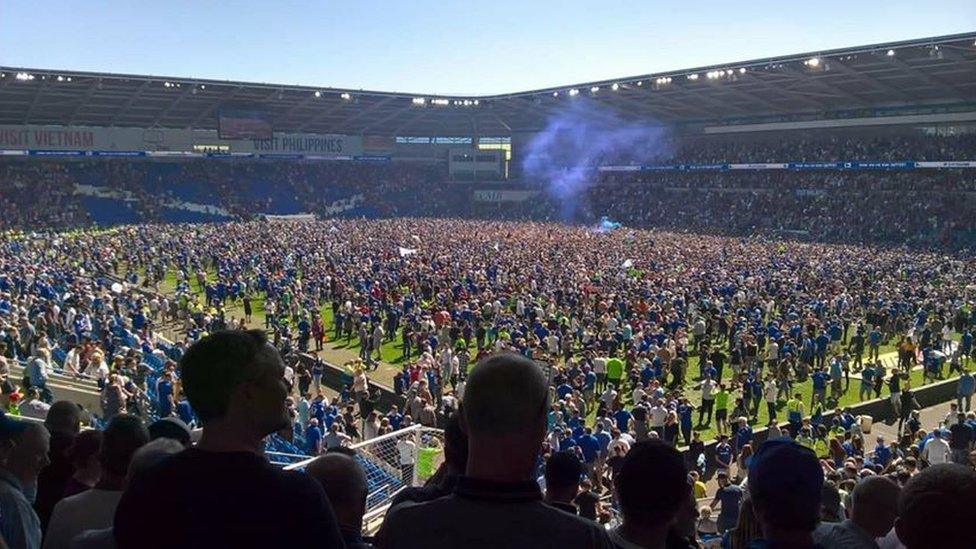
pixel 566 443
pixel 313 435
pixel 590 447
pixel 684 414
pixel 590 380
pixel 603 438
pixel 564 390
pixel 743 436
pixel 822 341
pixel 723 453
pixel 164 390
pixel 184 411
pixel 836 371
pixel 646 374
pixel 867 377
pixel 730 496
pixel 623 419
pixel 967 384
pixel 819 380
pixel 882 455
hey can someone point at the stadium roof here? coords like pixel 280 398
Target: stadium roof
pixel 937 72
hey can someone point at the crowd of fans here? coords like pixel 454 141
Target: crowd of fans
pixel 222 491
pixel 919 207
pixel 598 353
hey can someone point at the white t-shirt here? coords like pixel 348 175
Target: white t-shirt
pixel 611 448
pixel 708 388
pixel 936 451
pixel 408 451
pixel 34 408
pixel 90 510
pixel 657 415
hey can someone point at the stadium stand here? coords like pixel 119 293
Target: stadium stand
pixel 796 246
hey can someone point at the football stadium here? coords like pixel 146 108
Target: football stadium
pixel 723 306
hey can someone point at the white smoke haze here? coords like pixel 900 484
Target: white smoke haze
pixel 580 136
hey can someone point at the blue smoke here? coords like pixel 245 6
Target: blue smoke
pixel 579 136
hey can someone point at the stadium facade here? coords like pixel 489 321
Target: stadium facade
pixel 925 82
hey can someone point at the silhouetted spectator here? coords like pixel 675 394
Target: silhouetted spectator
pixel 652 487
pixel 223 492
pixel 504 415
pixel 344 483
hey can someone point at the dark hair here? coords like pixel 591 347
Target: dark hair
pixel 64 416
pixel 652 484
pixel 455 444
pixel 214 366
pixel 122 437
pixel 786 485
pixel 937 505
pixel 170 428
pixel 85 445
pixel 563 470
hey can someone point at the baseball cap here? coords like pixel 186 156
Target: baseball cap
pixel 10 428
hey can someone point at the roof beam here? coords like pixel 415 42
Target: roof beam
pixel 172 105
pixel 932 80
pixel 294 108
pixel 363 112
pixel 391 116
pixel 791 95
pixel 722 108
pixel 833 90
pixel 498 119
pixel 415 118
pixel 132 99
pixel 865 77
pixel 644 108
pixel 320 116
pixel 36 99
pixel 213 106
pixel 81 104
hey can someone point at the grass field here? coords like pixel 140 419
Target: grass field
pixel 339 352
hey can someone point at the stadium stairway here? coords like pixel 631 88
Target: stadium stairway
pixel 84 391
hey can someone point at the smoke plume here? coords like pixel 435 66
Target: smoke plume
pixel 580 136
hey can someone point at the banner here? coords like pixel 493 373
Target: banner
pixel 103 139
pixel 503 196
pixel 404 252
pixel 849 165
pixel 947 164
pixel 303 143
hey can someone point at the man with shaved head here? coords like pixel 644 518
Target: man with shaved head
pixel 874 507
pixel 344 481
pixel 496 503
pixel 223 492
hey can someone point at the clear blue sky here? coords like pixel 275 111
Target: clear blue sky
pixel 447 46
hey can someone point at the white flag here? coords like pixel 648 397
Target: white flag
pixel 628 264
